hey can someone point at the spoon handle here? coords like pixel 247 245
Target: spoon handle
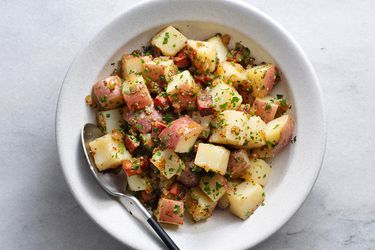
pixel 162 234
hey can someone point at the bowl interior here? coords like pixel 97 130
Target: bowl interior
pixel 294 170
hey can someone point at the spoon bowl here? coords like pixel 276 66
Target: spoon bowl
pixel 113 182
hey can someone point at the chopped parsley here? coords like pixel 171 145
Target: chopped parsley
pixel 103 98
pixel 176 209
pixel 168 117
pixel 234 100
pixel 268 107
pixel 121 148
pixel 138 126
pixel 166 37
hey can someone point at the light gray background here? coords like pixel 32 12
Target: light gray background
pixel 38 40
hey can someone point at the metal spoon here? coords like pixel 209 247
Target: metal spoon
pixel 115 185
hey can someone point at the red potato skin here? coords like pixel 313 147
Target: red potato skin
pixel 187 177
pixel 139 97
pixel 131 143
pixel 205 103
pixel 154 76
pixel 223 181
pixel 285 137
pixel 182 60
pixel 259 108
pixel 141 120
pixel 236 163
pixel 184 100
pixel 108 94
pixel 157 127
pixel 171 135
pixel 168 213
pixel 162 102
pixel 154 73
pixel 269 81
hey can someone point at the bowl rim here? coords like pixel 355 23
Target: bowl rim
pixel 249 8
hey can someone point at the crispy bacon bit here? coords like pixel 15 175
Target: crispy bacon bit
pixel 131 143
pixel 147 197
pixel 182 60
pixel 203 79
pixel 162 102
pixel 131 167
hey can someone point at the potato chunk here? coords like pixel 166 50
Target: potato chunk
pixel 142 120
pixel 170 211
pixel 109 120
pixel 231 73
pixel 212 157
pixel 138 183
pixel 168 162
pixel 133 64
pixel 107 93
pixel 220 47
pixel 279 132
pixel 203 55
pixel 223 203
pixel 158 72
pixel 214 186
pixel 205 122
pixel 255 132
pixel 182 91
pixel 224 97
pixel 238 162
pixel 181 134
pixel 135 92
pixel 229 128
pixel 265 108
pixel 261 78
pixel 108 152
pixel 264 152
pixel 199 205
pixel 169 41
pixel 257 171
pixel 245 198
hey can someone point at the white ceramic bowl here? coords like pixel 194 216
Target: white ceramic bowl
pixel 294 170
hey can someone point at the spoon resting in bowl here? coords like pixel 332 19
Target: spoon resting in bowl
pixel 115 185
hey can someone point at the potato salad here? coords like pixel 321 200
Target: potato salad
pixel 193 124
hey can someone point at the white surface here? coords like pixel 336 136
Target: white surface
pixel 37 43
